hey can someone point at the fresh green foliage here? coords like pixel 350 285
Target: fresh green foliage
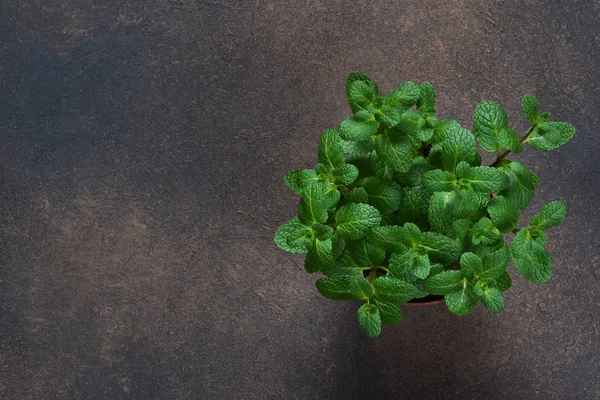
pixel 399 207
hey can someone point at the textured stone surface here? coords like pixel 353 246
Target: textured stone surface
pixel 143 148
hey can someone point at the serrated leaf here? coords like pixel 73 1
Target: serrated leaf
pixel 486 233
pixel 530 258
pixel 441 249
pixel 521 185
pixel 494 264
pixel 438 180
pixel 410 265
pixel 322 232
pixel 550 215
pixel 345 174
pixel 544 117
pixel 426 102
pixel 414 176
pixel 358 147
pixel 459 145
pixel 503 213
pixel 362 93
pixel 319 257
pixel 360 126
pixel 441 211
pixel 404 96
pixel 353 220
pixel 484 180
pixel 470 264
pixel 313 206
pixel 445 282
pixel 390 312
pixel 293 236
pixel 394 290
pixel 392 238
pixel 509 139
pixel 550 135
pixel 331 153
pixel 357 195
pixel 413 206
pixel 394 150
pixel 370 320
pixel 298 179
pixel 383 196
pixel 463 301
pixel 361 287
pixel 492 299
pixel 365 253
pixel 503 282
pixel 530 107
pixel 340 287
pixel 489 121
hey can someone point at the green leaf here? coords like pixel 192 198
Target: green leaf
pixel 341 287
pixel 458 146
pixel 550 215
pixel 550 135
pixel 319 257
pixel 544 117
pixel 357 195
pixel 404 97
pixel 489 121
pixel 483 179
pixel 313 206
pixel 530 108
pixel 414 176
pixel 439 181
pixel 331 153
pixel 441 211
pixel 365 253
pixel 445 282
pixel 470 264
pixel 361 287
pixel 357 147
pixel 509 139
pixel 392 238
pixel 362 92
pixel 462 301
pixel 395 290
pixel 521 186
pixel 492 299
pixel 441 249
pixel 390 312
pixel 370 320
pixel 503 213
pixel 426 102
pixel 353 220
pixel 530 258
pixel 410 265
pixel 345 174
pixel 503 282
pixel 486 233
pixel 383 196
pixel 494 264
pixel 413 206
pixel 298 179
pixel 322 232
pixel 394 150
pixel 293 236
pixel 360 126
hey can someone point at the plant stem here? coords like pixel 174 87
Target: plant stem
pixel 507 152
pixel 373 274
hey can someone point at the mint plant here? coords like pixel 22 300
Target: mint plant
pixel 400 208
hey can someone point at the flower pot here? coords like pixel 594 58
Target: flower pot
pixel 425 301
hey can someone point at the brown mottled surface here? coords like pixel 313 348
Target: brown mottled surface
pixel 143 146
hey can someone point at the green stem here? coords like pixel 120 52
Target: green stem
pixel 507 152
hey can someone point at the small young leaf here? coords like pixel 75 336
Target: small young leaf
pixel 486 233
pixel 504 215
pixel 360 126
pixel 370 320
pixel 330 149
pixel 470 264
pixel 345 174
pixel 509 139
pixel 522 183
pixel 503 282
pixel 353 220
pixel 409 265
pixel 445 282
pixel 492 299
pixel 293 236
pixel 530 107
pixel 530 258
pixel 550 215
pixel 426 102
pixel 390 312
pixel 462 301
pixel 298 179
pixel 394 290
pixel 550 135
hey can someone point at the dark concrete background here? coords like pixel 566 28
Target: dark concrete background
pixel 143 148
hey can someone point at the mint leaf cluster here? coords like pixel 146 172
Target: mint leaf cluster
pixel 399 207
